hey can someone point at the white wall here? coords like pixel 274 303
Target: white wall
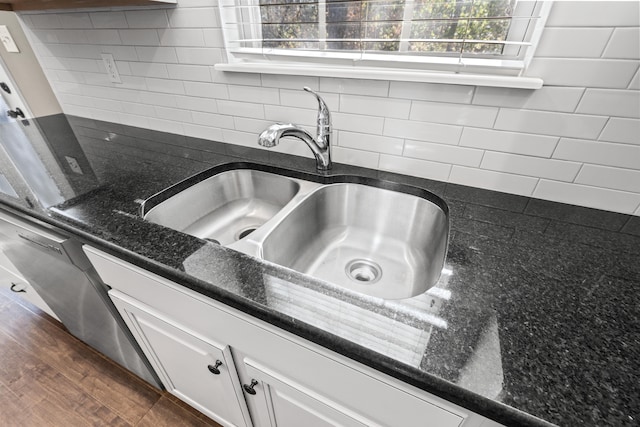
pixel 577 140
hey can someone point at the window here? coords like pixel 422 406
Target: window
pixel 462 36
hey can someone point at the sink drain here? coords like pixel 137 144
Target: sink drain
pixel 363 271
pixel 244 233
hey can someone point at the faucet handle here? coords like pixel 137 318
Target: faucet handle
pixel 323 109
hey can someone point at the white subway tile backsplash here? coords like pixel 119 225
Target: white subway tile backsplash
pixel 593 14
pixel 509 142
pixel 357 123
pixel 166 126
pixel 128 82
pixel 69 36
pixel 375 106
pixel 286 114
pixel 583 125
pixel 621 130
pixel 505 182
pixel 186 37
pixel 609 177
pixel 193 17
pixel 148 69
pixel 254 126
pixel 354 87
pixel 365 159
pixel 206 90
pixel 422 131
pixel 442 153
pixel 138 109
pixel 578 72
pixel 455 114
pixel 147 18
pixel 624 44
pixel 198 55
pixel 547 98
pixel 107 104
pixel 157 54
pixel 547 123
pixel 635 82
pixel 583 195
pixel 165 85
pixel 242 109
pixel 74 20
pixel 213 120
pixel 174 114
pixel 197 73
pixel 213 37
pixel 158 98
pixel 366 142
pixel 607 102
pixel 108 20
pixel 46 21
pixel 120 53
pixel 139 37
pixel 415 167
pixel 103 37
pixel 131 120
pixel 558 170
pixel 205 132
pixel 192 103
pixel 431 92
pixel 262 95
pixel 68 76
pixel 573 42
pixel 599 153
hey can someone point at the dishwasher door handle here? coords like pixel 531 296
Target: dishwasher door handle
pixel 42 245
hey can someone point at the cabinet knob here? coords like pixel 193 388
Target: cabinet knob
pixel 214 368
pixel 250 388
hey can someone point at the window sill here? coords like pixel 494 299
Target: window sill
pixel 385 74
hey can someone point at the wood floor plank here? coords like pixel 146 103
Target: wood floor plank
pixel 49 378
pixel 166 413
pixel 127 395
pixel 12 413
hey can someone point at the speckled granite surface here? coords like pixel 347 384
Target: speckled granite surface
pixel 535 320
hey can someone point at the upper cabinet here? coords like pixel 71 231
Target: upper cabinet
pixel 74 4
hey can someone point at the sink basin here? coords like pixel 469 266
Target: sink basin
pixel 226 207
pixel 375 241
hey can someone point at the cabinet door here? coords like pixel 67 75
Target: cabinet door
pixel 280 402
pixel 197 371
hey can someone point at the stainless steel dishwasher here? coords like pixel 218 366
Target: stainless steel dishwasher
pixel 61 274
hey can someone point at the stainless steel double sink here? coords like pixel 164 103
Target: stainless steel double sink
pixel 381 239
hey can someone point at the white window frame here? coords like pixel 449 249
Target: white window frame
pixel 480 71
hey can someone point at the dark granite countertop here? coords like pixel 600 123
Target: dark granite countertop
pixel 535 320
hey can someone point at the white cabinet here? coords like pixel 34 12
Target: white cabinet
pixel 196 370
pixel 296 382
pixel 279 402
pixel 11 279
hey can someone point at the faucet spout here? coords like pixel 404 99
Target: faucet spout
pixel 320 145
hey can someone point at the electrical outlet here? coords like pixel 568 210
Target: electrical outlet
pixel 74 165
pixel 112 70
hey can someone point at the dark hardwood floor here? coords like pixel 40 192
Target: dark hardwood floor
pixel 50 378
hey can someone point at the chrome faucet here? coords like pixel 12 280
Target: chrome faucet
pixel 320 145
